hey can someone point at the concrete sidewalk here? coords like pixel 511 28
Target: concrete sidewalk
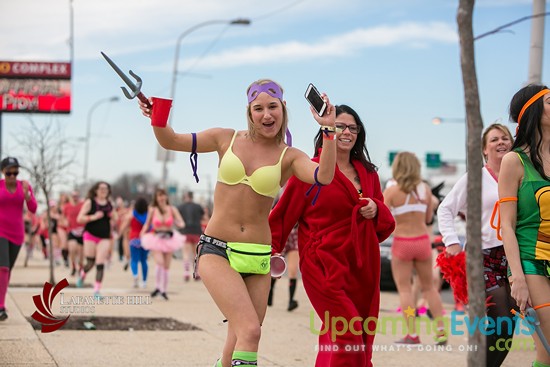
pixel 287 340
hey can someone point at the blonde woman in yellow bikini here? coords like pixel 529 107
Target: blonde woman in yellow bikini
pixel 234 252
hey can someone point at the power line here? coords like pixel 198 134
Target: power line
pixel 206 51
pixel 280 10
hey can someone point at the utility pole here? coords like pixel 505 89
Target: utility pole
pixel 168 155
pixel 536 48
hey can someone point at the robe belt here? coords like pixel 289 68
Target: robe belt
pixel 355 235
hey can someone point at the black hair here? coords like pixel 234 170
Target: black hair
pixel 141 205
pixel 359 150
pixel 529 131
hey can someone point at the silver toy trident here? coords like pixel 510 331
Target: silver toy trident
pixel 134 88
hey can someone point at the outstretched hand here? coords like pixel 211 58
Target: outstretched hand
pixel 329 117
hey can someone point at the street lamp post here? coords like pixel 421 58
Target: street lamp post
pixel 441 120
pixel 88 126
pixel 238 21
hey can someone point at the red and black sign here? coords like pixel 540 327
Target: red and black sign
pixel 31 87
pixel 29 69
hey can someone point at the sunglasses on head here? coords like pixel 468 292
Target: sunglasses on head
pixel 12 173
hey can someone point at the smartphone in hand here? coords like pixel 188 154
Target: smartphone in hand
pixel 314 98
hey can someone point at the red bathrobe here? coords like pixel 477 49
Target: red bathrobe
pixel 339 260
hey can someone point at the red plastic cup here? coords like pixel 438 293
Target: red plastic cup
pixel 161 110
pixel 278 266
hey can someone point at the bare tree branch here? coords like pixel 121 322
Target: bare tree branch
pixel 504 26
pixel 47 156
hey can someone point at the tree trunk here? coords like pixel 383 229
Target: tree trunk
pixel 476 284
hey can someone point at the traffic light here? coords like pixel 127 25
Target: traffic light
pixel 433 160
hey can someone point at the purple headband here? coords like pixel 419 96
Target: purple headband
pixel 270 88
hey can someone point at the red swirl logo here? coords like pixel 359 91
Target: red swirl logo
pixel 43 305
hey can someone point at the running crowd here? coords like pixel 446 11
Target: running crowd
pixel 326 215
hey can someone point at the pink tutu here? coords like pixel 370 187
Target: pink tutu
pixel 156 242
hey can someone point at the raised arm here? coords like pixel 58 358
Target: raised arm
pixel 302 166
pixel 29 197
pixel 207 140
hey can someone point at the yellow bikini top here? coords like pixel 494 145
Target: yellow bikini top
pixel 264 181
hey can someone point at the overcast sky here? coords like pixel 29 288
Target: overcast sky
pixel 395 61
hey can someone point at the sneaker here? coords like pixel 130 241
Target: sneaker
pixel 292 305
pixel 163 294
pixel 409 340
pixel 155 293
pixel 3 314
pixel 142 284
pixel 97 296
pixel 136 282
pixel 186 278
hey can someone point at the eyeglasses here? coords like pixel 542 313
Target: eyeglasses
pixel 13 173
pixel 354 129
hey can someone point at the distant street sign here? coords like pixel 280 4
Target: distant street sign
pixel 391 156
pixel 433 160
pixel 172 190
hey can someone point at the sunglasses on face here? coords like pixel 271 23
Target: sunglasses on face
pixel 12 173
pixel 354 129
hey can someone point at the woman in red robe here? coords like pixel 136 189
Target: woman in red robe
pixel 339 232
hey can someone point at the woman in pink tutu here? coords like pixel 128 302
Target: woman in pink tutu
pixel 159 236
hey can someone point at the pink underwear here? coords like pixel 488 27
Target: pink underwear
pixel 412 248
pixel 87 236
